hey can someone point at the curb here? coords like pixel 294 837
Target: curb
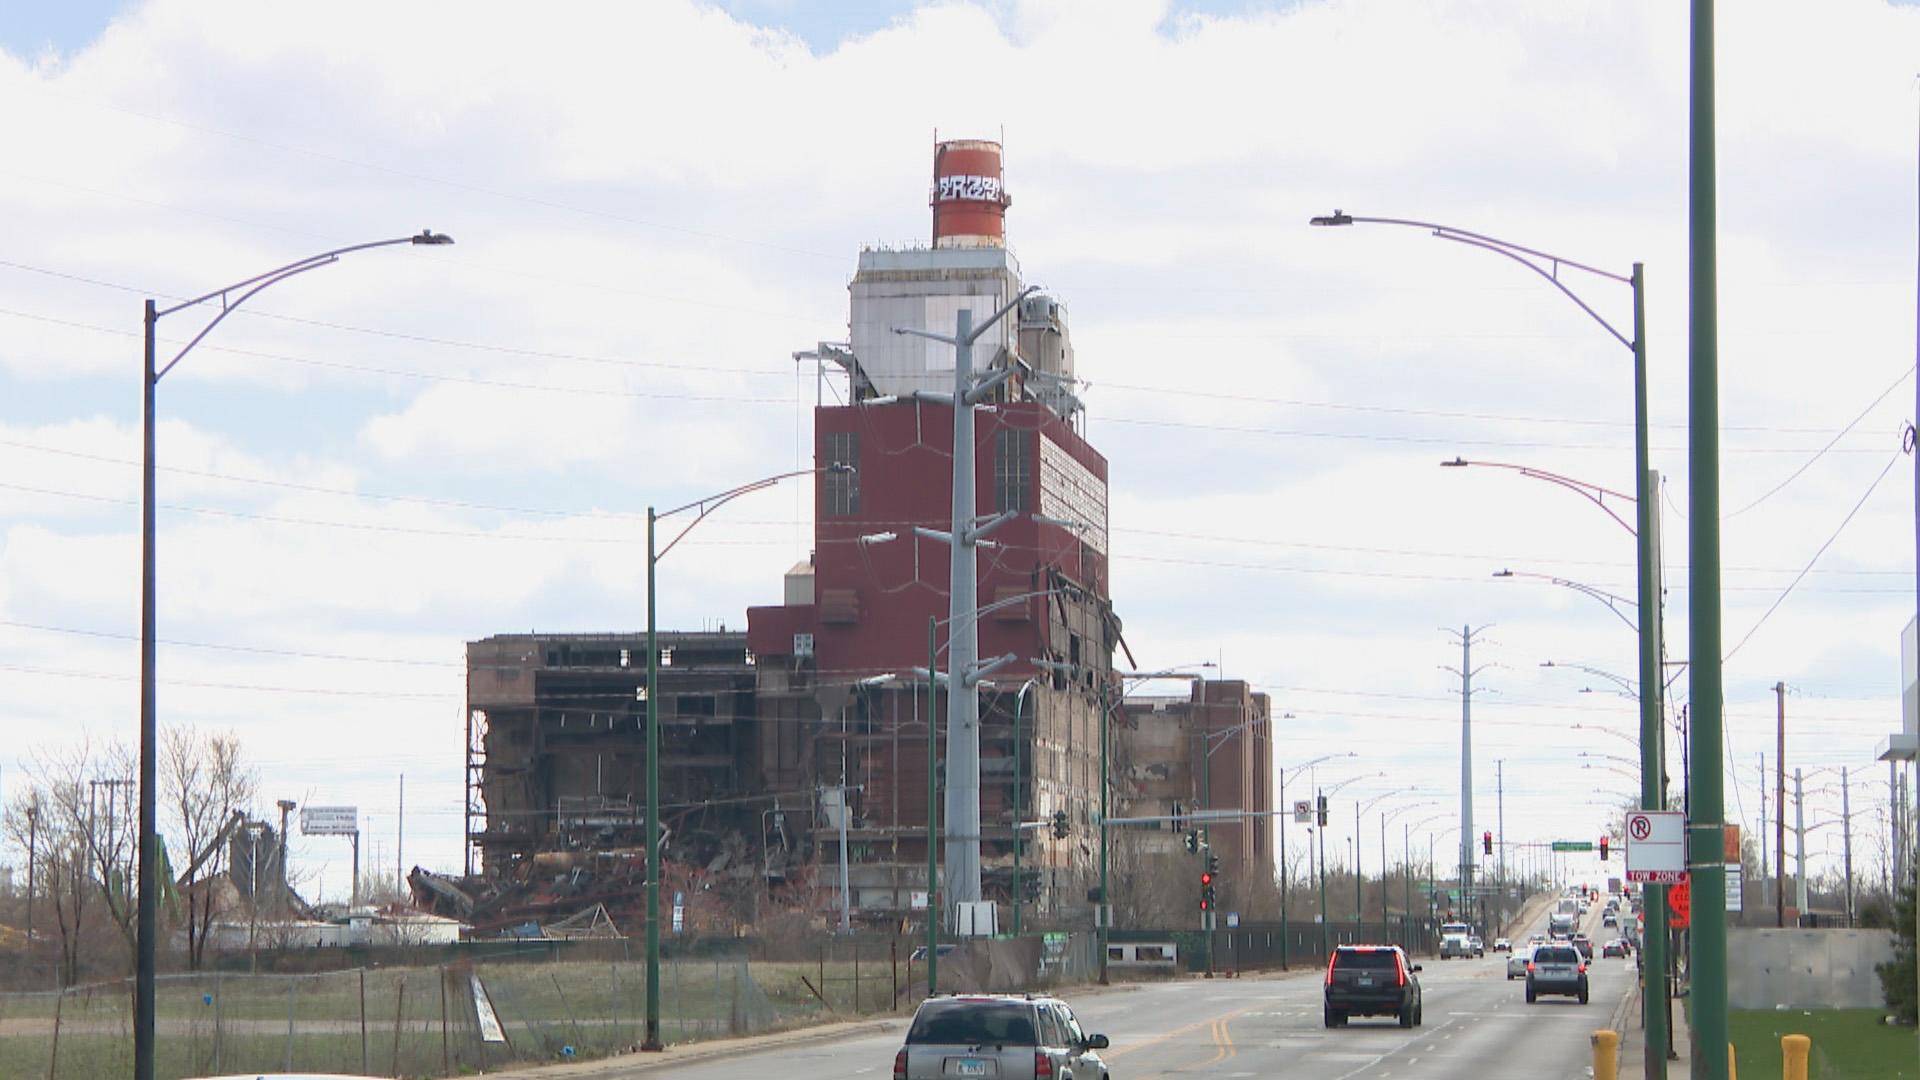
pixel 690 1053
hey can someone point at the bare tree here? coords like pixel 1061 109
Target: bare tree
pixel 204 779
pixel 76 856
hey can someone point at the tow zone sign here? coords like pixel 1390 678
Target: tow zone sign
pixel 1656 846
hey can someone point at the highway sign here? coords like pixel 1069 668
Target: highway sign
pixel 330 820
pixel 1656 846
pixel 1573 845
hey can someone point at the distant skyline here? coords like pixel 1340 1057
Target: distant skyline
pixel 656 205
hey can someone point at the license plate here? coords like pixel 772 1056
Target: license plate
pixel 972 1067
pixel 1363 982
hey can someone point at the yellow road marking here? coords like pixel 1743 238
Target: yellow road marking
pixel 1220 1022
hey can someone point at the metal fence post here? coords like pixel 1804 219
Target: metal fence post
pixel 288 1066
pixel 365 1066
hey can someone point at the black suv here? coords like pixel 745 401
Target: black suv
pixel 998 1037
pixel 1372 980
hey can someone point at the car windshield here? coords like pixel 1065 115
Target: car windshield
pixel 1381 959
pixel 1555 956
pixel 973 1023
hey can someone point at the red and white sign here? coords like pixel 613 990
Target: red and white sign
pixel 1656 846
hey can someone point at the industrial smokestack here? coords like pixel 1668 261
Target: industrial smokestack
pixel 969 199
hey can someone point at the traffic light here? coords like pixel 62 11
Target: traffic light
pixel 1323 811
pixel 1486 842
pixel 1193 843
pixel 1179 816
pixel 1603 849
pixel 1206 890
pixel 1213 864
pixel 1060 825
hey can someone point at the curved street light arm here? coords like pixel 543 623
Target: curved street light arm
pixel 1525 256
pixel 714 502
pixel 258 282
pixel 1593 493
pixel 1613 601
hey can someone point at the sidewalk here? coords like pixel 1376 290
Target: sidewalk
pixel 1626 1021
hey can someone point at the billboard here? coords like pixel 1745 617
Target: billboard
pixel 330 820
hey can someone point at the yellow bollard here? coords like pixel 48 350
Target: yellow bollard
pixel 1606 1054
pixel 1733 1073
pixel 1793 1056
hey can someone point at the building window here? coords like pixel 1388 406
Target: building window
pixel 843 488
pixel 1012 473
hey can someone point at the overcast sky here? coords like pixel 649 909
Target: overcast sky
pixel 657 204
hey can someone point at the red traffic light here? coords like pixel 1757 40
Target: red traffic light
pixel 1206 877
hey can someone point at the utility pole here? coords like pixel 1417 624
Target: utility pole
pixel 1466 672
pixel 1500 823
pixel 1846 841
pixel 1799 849
pixel 1763 827
pixel 33 837
pixel 400 835
pixel 964 670
pixel 1706 648
pixel 286 807
pixel 1780 805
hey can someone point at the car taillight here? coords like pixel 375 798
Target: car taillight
pixel 1330 971
pixel 900 1065
pixel 1042 1066
pixel 1399 970
pixel 1583 969
pixel 1529 965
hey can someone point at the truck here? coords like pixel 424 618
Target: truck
pixel 1456 939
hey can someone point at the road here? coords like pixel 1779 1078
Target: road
pixel 1478 1027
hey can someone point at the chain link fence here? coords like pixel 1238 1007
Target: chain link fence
pixel 481 1012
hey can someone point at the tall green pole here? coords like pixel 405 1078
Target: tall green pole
pixel 1103 911
pixel 1326 948
pixel 1653 795
pixel 933 820
pixel 1705 844
pixel 1280 776
pixel 1019 703
pixel 652 1041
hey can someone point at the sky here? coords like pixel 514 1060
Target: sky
pixel 657 205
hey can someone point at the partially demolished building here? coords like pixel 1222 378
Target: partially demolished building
pixel 813 725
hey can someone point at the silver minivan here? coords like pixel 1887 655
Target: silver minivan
pixel 998 1037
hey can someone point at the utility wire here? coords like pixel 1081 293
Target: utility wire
pixel 1816 558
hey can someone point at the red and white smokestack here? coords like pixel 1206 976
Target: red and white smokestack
pixel 969 200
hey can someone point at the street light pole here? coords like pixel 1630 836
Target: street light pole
pixel 702 507
pixel 1548 266
pixel 147 920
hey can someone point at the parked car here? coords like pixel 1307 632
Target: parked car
pixel 1502 945
pixel 1517 962
pixel 997 1037
pixel 1619 946
pixel 1372 980
pixel 1557 969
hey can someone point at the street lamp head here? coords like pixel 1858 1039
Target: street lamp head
pixel 431 238
pixel 879 538
pixel 1509 573
pixel 1338 217
pixel 839 467
pixel 1458 462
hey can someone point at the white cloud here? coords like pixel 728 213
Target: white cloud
pixel 656 205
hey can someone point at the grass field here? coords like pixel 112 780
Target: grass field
pixel 237 1023
pixel 1848 1044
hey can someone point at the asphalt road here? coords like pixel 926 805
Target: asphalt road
pixel 1478 1027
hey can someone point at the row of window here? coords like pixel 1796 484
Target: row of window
pixel 1012 472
